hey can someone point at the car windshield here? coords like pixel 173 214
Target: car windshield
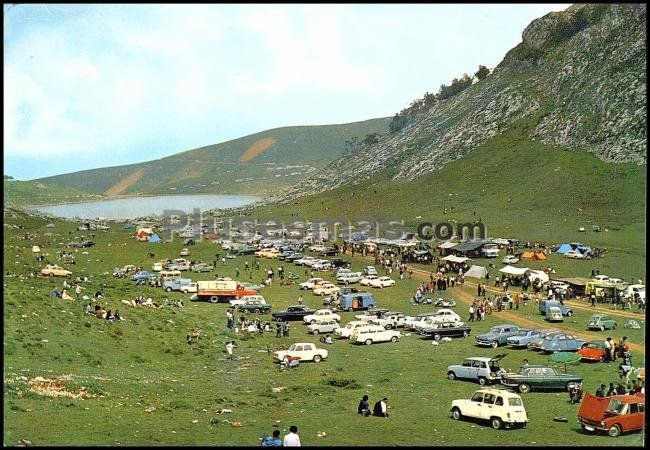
pixel 515 401
pixel 594 345
pixel 495 330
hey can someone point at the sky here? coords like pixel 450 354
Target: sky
pixel 97 85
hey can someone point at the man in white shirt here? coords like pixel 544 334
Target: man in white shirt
pixel 292 439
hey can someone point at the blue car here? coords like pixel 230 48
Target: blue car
pixel 561 342
pixel 546 304
pixel 497 335
pixel 143 275
pixel 523 337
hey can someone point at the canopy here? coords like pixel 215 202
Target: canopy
pixel 543 276
pixel 456 259
pixel 514 270
pixel 476 272
pixel 448 244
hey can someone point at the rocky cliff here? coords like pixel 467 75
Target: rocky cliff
pixel 579 75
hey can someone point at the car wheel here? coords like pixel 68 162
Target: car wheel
pixel 614 431
pixel 614 327
pixel 495 344
pixel 456 414
pixel 214 299
pixel 601 359
pixel 256 311
pixel 51 275
pixel 393 339
pixel 368 341
pixel 168 289
pixel 496 423
pixel 602 328
pixel 465 333
pixel 524 388
pixel 315 332
pixel 312 322
pixel 482 381
pixel 317 358
pixel 388 326
pixel 437 336
pixel 451 375
pixel 350 309
pixel 569 313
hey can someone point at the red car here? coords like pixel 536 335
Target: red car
pixel 615 414
pixel 593 351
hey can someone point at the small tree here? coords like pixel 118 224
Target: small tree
pixel 482 72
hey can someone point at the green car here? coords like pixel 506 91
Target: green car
pixel 601 322
pixel 537 377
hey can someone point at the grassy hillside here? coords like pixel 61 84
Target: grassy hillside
pixel 150 387
pixel 39 193
pixel 255 164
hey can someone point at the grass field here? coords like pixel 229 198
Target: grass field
pixel 144 362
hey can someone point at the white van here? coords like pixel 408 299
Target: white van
pixel 246 298
pixel 374 333
pixel 170 274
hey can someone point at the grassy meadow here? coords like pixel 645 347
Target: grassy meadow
pixel 151 388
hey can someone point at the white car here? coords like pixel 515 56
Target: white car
pixel 326 288
pixel 185 252
pixel 347 330
pixel 311 283
pixel 317 248
pixel 374 333
pixel 510 259
pixel 370 270
pixel 321 264
pixel 245 298
pixel 349 277
pixel 326 326
pixel 441 316
pixel 382 282
pixel 367 280
pixel 304 351
pixel 305 261
pixel 575 254
pixel 157 267
pixel 321 315
pixel 501 407
pixel 388 321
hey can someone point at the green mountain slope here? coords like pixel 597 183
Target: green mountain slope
pixel 21 193
pixel 256 164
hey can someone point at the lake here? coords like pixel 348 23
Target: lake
pixel 132 207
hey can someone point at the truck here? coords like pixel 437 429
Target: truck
pixel 357 301
pixel 221 291
pixel 184 285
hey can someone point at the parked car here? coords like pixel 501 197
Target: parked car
pixel 295 312
pixel 483 369
pixel 325 288
pixel 254 306
pixel 373 334
pixel 544 305
pixel 240 301
pixel 52 270
pixel 498 335
pixel 143 275
pixel 349 277
pixel 444 303
pixel 382 282
pixel 329 251
pixel 601 322
pixel 294 257
pixel 390 320
pixel 615 414
pixel 510 259
pixel 320 315
pixel 185 252
pixel 523 337
pixel 326 326
pixel 561 342
pixel 349 327
pixel 367 280
pixel 271 253
pixel 535 343
pixel 554 314
pixel 367 316
pixel 157 267
pixel 310 283
pixel 201 267
pixel 574 254
pixel 593 351
pixel 412 322
pixel 322 264
pixel 339 262
pixel 370 270
pixel 446 330
pixel 539 377
pixel 304 351
pixel 500 407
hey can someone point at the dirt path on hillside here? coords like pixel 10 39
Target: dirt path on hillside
pixel 125 183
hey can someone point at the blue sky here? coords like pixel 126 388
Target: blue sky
pixel 98 85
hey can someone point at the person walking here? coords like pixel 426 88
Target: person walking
pixel 471 313
pixel 609 349
pixel 278 328
pixel 77 290
pixel 285 328
pixel 230 346
pixel 291 439
pixel 364 407
pixel 230 318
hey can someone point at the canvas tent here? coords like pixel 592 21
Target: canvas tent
pixel 154 238
pixel 476 272
pixel 539 256
pixel 527 255
pixel 543 276
pixel 456 259
pixel 513 270
pixel 563 249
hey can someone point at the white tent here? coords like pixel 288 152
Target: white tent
pixel 514 270
pixel 456 259
pixel 543 276
pixel 448 244
pixel 476 272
